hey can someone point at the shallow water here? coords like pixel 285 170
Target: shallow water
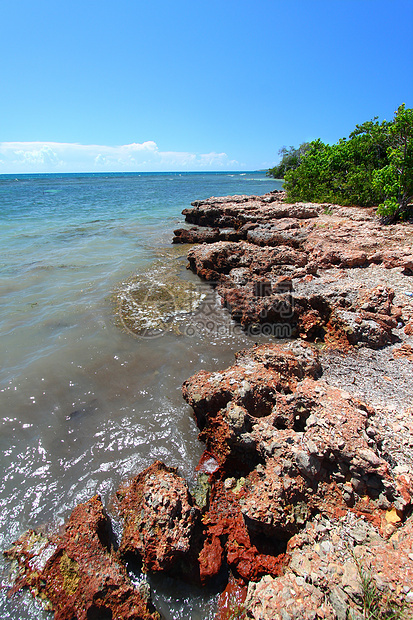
pixel 84 403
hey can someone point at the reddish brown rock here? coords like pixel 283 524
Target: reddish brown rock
pixel 78 574
pixel 405 351
pixel 345 328
pixel 250 282
pixel 303 441
pixel 220 258
pixel 409 328
pixel 231 601
pixel 246 391
pixel 227 539
pixel 159 518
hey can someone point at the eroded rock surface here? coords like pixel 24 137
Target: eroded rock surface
pixel 159 518
pixel 291 447
pixel 328 560
pixel 291 265
pixel 78 575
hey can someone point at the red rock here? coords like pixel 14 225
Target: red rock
pixel 307 437
pixel 405 351
pixel 210 559
pixel 207 463
pixel 248 276
pixel 78 573
pixel 409 328
pixel 231 601
pixel 227 536
pixel 251 385
pixel 159 518
pixel 345 329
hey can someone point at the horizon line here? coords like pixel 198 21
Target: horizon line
pixel 60 173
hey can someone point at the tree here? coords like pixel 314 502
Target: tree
pixel 290 159
pixel 342 172
pixel 395 180
pixel 373 166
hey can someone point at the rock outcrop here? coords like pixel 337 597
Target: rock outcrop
pixel 301 473
pixel 78 575
pixel 287 269
pixel 160 517
pixel 329 561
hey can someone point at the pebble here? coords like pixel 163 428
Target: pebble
pixel 326 546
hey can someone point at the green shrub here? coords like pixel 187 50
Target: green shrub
pixel 373 166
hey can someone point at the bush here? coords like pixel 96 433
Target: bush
pixel 373 166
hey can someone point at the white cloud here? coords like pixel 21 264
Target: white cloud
pixel 20 157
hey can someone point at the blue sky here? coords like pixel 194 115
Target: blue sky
pixel 193 84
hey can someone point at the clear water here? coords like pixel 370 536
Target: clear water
pixel 83 403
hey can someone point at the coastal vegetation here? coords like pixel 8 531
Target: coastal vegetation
pixel 372 167
pixel 290 160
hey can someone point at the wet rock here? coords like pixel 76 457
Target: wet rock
pixel 231 601
pixel 159 518
pixel 78 575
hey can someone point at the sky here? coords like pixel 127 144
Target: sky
pixel 133 85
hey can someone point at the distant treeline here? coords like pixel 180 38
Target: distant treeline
pixel 372 167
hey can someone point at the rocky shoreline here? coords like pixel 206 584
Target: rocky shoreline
pixel 306 484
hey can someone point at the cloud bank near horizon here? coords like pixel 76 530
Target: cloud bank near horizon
pixel 26 157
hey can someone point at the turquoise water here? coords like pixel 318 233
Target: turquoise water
pixel 84 404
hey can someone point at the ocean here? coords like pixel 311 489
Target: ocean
pixel 100 324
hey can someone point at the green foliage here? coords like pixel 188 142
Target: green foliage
pixel 373 166
pixel 290 159
pixel 395 180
